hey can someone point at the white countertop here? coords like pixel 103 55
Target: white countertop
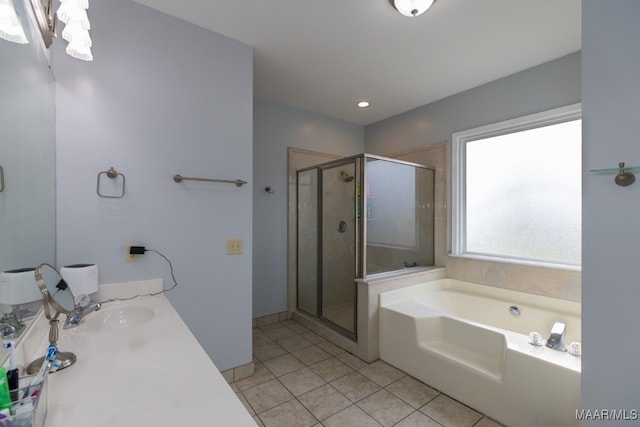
pixel 151 373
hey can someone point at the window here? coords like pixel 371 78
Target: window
pixel 517 189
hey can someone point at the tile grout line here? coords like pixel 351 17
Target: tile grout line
pixel 332 356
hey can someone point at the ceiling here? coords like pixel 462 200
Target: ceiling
pixel 325 55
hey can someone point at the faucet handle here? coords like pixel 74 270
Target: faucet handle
pixel 575 349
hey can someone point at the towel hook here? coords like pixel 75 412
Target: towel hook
pixel 113 174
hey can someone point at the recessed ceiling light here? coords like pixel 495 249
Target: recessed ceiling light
pixel 363 104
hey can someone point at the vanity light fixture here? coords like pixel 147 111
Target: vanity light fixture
pixel 411 8
pixel 76 30
pixel 363 104
pixel 10 25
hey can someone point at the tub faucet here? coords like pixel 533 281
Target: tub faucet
pixel 74 318
pixel 556 339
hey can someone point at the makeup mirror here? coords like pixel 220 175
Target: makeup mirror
pixel 57 299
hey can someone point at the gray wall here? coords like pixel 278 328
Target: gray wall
pixel 611 272
pixel 162 97
pixel 275 128
pixel 550 85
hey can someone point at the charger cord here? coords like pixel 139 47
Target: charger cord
pixel 173 277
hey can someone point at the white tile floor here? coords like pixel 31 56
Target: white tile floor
pixel 302 380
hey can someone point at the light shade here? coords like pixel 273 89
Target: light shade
pixel 76 31
pixel 67 13
pixel 10 25
pixel 79 51
pixel 411 8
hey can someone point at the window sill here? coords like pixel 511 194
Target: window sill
pixel 517 261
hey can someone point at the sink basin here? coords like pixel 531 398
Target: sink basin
pixel 119 318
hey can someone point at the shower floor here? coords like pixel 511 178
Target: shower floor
pixel 341 315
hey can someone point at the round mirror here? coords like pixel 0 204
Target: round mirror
pixel 57 295
pixel 55 290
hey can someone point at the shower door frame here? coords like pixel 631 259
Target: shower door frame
pixel 360 207
pixel 358 213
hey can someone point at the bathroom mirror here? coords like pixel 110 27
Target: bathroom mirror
pixel 27 151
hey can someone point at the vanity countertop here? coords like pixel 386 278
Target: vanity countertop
pixel 138 365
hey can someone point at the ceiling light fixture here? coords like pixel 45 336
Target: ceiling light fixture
pixel 411 8
pixel 10 25
pixel 363 104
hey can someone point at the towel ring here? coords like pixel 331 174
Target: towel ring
pixel 113 174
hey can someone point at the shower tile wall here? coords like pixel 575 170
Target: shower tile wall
pixel 338 246
pixel 435 157
pixel 400 216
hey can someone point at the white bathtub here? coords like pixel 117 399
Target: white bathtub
pixel 462 339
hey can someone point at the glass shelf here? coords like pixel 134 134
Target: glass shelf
pixel 616 170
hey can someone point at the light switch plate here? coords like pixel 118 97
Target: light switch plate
pixel 234 246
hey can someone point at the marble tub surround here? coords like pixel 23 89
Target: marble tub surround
pixel 546 281
pixel 144 368
pixel 301 380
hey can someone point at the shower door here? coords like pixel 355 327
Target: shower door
pixel 339 250
pixel 308 257
pixel 328 235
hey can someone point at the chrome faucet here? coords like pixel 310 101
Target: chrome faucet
pixel 556 339
pixel 74 318
pixel 11 325
pixel 7 330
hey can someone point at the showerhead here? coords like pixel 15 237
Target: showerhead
pixel 346 177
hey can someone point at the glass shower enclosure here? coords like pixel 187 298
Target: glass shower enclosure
pixel 358 216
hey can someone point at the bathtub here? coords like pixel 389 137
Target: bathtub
pixel 463 339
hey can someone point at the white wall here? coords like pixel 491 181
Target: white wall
pixel 162 97
pixel 275 128
pixel 611 271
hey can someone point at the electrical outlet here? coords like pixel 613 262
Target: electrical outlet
pixel 128 256
pixel 234 246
